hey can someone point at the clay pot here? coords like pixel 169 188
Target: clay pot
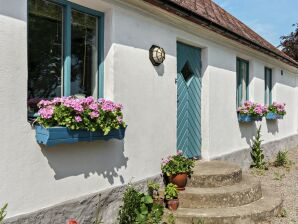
pixel 173 204
pixel 180 180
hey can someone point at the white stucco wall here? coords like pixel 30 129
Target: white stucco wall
pixel 36 177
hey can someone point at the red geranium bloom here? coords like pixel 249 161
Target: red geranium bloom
pixel 72 221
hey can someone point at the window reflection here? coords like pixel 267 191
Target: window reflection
pixel 44 51
pixel 83 54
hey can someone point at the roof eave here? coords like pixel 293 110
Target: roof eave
pixel 194 17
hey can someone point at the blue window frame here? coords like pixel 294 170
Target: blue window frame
pixel 61 21
pixel 242 92
pixel 268 86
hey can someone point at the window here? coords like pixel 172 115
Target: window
pixel 242 81
pixel 268 86
pixel 65 50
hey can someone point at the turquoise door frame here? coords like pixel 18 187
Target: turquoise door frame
pixel 189 100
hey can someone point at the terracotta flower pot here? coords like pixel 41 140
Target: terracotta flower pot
pixel 180 180
pixel 173 204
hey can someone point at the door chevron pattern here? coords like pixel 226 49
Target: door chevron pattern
pixel 189 100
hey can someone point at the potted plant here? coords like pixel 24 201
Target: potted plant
pixel 276 111
pixel 72 119
pixel 177 168
pixel 250 111
pixel 171 195
pixel 153 190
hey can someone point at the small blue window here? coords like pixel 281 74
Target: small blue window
pixel 268 86
pixel 242 81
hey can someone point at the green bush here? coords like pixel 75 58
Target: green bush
pixel 131 202
pixel 138 208
pixel 257 155
pixel 282 159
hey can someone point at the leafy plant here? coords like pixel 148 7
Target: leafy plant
pixel 171 219
pixel 153 188
pixel 177 164
pixel 257 154
pixel 131 202
pixel 282 159
pixel 149 213
pixel 171 191
pixel 3 213
pixel 81 113
pixel 278 176
pixel 138 208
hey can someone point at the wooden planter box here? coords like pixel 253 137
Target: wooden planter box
pixel 273 116
pixel 61 135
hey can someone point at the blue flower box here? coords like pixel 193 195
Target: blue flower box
pixel 257 118
pixel 245 118
pixel 273 116
pixel 61 135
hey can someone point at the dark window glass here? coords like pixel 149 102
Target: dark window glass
pixel 44 51
pixel 83 54
pixel 187 72
pixel 242 81
pixel 268 86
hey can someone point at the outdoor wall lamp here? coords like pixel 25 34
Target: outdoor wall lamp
pixel 157 55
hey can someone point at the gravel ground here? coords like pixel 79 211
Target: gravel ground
pixel 285 181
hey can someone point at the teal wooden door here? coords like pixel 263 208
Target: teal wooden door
pixel 189 100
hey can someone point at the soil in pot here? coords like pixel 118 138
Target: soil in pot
pixel 180 180
pixel 173 204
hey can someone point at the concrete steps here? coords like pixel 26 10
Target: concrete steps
pixel 215 174
pixel 217 193
pixel 245 192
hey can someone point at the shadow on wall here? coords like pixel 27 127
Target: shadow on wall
pixel 272 126
pixel 99 157
pixel 248 131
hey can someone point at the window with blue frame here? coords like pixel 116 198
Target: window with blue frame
pixel 65 51
pixel 268 86
pixel 242 70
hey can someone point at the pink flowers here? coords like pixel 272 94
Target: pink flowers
pixel 46 112
pixel 78 119
pixel 253 109
pixel 277 108
pixel 258 110
pixel 94 114
pixel 81 113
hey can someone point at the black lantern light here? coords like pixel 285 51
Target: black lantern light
pixel 157 55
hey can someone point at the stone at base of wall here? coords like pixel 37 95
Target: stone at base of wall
pixel 83 209
pixel 243 158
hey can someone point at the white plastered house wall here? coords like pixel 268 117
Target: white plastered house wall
pixel 35 177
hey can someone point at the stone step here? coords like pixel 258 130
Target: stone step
pixel 214 174
pixel 263 209
pixel 245 192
